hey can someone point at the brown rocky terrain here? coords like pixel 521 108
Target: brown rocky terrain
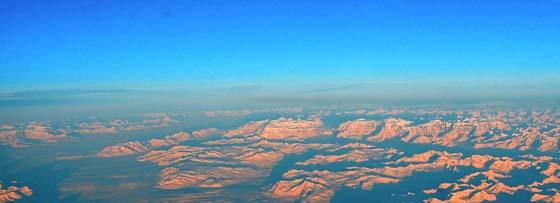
pixel 356 129
pixel 203 133
pixel 96 128
pixel 37 131
pixel 423 133
pixel 546 198
pixel 479 133
pixel 13 193
pixel 314 189
pixel 491 186
pixel 9 136
pixel 134 147
pixel 248 154
pixel 207 177
pixel 320 186
pixel 519 130
pixel 29 134
pixel 294 129
pixel 219 172
pixel 128 148
pixel 391 128
pixel 325 183
pixel 249 129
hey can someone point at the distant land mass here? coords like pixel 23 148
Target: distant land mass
pixel 293 155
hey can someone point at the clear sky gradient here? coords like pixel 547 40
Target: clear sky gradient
pixel 181 44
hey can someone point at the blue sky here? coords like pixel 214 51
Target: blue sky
pixel 183 44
